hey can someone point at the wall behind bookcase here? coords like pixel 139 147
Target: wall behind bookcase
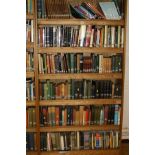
pixel 125 132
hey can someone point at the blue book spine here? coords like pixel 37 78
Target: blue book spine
pixel 116 115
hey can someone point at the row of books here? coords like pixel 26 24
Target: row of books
pixel 79 63
pixel 30 90
pixel 52 9
pixel 31 141
pixel 81 36
pixel 29 60
pixel 79 89
pixel 87 10
pixel 30 117
pixel 79 115
pixel 29 31
pixel 29 6
pixel 65 141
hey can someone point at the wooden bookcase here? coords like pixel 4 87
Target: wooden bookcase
pixel 36 76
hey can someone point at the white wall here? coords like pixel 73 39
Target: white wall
pixel 125 133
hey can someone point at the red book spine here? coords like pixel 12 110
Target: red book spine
pixel 57 115
pixel 88 35
pixel 106 114
pixel 87 116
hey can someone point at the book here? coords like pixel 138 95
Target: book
pixel 110 10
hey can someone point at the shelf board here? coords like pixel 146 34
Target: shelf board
pixel 95 76
pixel 79 50
pixel 29 74
pixel 80 22
pixel 31 129
pixel 31 153
pixel 29 16
pixel 30 103
pixel 29 45
pixel 79 102
pixel 83 152
pixel 79 128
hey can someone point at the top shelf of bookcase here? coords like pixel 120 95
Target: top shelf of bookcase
pixel 80 22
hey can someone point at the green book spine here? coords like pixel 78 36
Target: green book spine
pixel 48 90
pixel 97 63
pixel 72 62
pixel 72 89
pixel 45 91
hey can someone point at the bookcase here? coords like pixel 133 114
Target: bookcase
pixel 60 89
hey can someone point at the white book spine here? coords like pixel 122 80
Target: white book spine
pixel 61 142
pixel 106 36
pixel 32 31
pixel 112 36
pixel 119 36
pixel 100 63
pixel 78 140
pixel 91 38
pixel 83 32
pixel 122 37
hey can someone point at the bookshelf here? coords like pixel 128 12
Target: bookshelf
pixel 36 77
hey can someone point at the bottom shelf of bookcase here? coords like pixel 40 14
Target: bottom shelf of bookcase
pixel 31 153
pixel 83 152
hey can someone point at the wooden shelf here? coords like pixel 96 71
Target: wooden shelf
pixel 79 128
pixel 31 153
pixel 31 129
pixel 30 103
pixel 95 76
pixel 84 152
pixel 29 74
pixel 29 16
pixel 29 45
pixel 79 22
pixel 79 102
pixel 79 50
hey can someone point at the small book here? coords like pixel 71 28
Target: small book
pixel 110 11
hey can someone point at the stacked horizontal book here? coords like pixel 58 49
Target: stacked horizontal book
pixel 29 31
pixel 52 9
pixel 81 36
pixel 31 141
pixel 30 89
pixel 65 141
pixel 79 115
pixel 79 63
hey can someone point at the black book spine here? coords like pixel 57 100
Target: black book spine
pixel 39 8
pixel 81 140
pixel 68 115
pixel 27 141
pixel 44 141
pixel 41 117
pixel 112 114
pixel 51 36
pixel 31 141
pixel 47 37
